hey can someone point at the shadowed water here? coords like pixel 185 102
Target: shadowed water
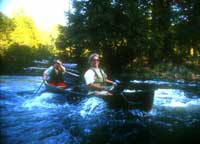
pixel 48 118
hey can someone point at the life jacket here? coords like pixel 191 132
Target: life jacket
pixel 56 77
pixel 100 79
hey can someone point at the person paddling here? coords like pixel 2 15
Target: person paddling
pixel 96 78
pixel 54 75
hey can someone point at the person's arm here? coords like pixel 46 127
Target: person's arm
pixel 44 76
pixel 47 72
pixel 95 87
pixel 62 68
pixel 111 82
pixel 107 80
pixel 99 88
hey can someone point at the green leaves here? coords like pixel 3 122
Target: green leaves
pixel 134 32
pixel 26 32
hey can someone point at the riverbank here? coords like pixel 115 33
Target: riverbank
pixel 167 71
pixel 164 71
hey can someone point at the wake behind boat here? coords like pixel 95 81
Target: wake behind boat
pixel 139 98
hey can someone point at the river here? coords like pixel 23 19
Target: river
pixel 48 118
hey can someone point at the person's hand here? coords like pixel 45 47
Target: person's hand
pixel 114 83
pixel 112 88
pixel 105 88
pixel 59 63
pixel 108 88
pixel 109 94
pixel 44 78
pixel 60 66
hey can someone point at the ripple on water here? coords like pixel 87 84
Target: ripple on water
pixel 92 107
pixel 43 101
pixel 48 118
pixel 175 98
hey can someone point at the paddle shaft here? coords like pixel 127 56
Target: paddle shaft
pixel 73 74
pixel 39 88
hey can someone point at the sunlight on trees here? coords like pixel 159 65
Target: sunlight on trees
pixel 136 33
pixel 21 41
pixel 26 32
pixel 6 27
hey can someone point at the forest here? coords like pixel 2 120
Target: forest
pixel 157 36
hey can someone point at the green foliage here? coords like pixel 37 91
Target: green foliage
pixel 64 43
pixel 116 30
pixel 17 57
pixel 188 27
pixel 43 52
pixel 25 32
pixel 126 33
pixel 6 27
pixel 21 43
pixel 129 33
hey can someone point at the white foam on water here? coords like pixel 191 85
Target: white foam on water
pixel 149 82
pixel 41 102
pixel 131 90
pixel 175 98
pixel 92 106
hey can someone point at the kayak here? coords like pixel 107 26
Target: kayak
pixel 138 99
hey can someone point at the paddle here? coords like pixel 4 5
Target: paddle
pixel 39 88
pixel 116 87
pixel 73 74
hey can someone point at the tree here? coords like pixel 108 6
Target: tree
pixel 187 28
pixel 133 32
pixel 63 43
pixel 116 29
pixel 26 32
pixel 6 27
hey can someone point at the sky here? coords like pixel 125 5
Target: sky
pixel 45 13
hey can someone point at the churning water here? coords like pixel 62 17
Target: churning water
pixel 48 118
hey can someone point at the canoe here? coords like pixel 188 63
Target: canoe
pixel 140 98
pixel 72 92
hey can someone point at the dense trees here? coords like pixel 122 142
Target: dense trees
pixel 128 32
pixel 6 27
pixel 20 43
pixel 26 32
